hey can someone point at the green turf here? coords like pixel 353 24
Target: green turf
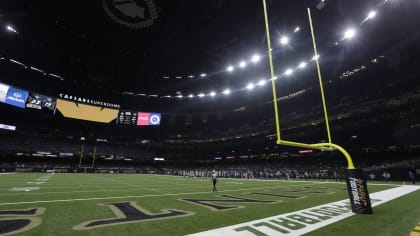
pixel 69 200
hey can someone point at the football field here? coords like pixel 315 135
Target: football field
pixel 118 204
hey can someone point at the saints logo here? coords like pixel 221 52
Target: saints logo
pixel 134 14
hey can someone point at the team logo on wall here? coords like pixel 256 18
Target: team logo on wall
pixel 134 14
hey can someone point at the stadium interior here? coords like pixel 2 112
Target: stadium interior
pixel 199 70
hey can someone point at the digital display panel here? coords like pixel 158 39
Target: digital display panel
pixel 39 102
pixel 127 118
pixel 3 92
pixel 86 112
pixel 146 118
pixel 16 97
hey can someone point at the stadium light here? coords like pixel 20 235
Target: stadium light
pixel 179 96
pixel 212 94
pixel 349 33
pixel 11 29
pixel 203 75
pixel 242 64
pixel 262 82
pixel 316 57
pixel 255 58
pixel 274 78
pixel 250 86
pixel 302 65
pixel 226 91
pixel 230 68
pixel 191 95
pixel 284 40
pixel 201 95
pixel 288 72
pixel 371 15
pixel 296 29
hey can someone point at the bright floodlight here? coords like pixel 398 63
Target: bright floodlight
pixel 288 72
pixel 242 64
pixel 191 95
pixel 226 91
pixel 316 57
pixel 212 94
pixel 296 29
pixel 230 68
pixel 262 82
pixel 302 65
pixel 11 29
pixel 201 95
pixel 179 96
pixel 250 86
pixel 349 33
pixel 255 58
pixel 203 75
pixel 275 77
pixel 371 14
pixel 284 40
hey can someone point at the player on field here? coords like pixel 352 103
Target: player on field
pixel 214 180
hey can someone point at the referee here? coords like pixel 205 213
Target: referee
pixel 214 180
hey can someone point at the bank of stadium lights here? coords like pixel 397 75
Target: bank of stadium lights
pixel 262 82
pixel 191 95
pixel 11 29
pixel 255 58
pixel 302 65
pixel 284 40
pixel 200 95
pixel 230 68
pixel 212 94
pixel 226 92
pixel 371 15
pixel 288 72
pixel 297 29
pixel 242 64
pixel 202 75
pixel 250 86
pixel 315 57
pixel 349 33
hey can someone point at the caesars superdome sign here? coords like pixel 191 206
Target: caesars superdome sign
pixel 134 14
pixel 88 101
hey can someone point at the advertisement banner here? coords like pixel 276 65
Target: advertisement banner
pixel 146 118
pixel 3 92
pixel 86 112
pixel 16 97
pixel 358 192
pixel 39 101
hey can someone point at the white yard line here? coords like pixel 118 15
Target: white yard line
pixel 140 196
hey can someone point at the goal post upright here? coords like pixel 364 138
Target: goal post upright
pixel 355 179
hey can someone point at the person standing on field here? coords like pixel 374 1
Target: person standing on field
pixel 214 180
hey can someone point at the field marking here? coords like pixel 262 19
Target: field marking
pixel 307 220
pixel 139 196
pixel 8 173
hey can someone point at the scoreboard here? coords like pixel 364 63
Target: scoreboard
pixel 138 118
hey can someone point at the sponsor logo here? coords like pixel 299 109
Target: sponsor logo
pixel 16 97
pixel 154 119
pixel 133 14
pixel 88 101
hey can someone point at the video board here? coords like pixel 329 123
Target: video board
pixel 86 112
pixel 138 118
pixel 13 96
pixel 40 102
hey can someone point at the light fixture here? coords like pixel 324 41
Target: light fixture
pixel 226 91
pixel 203 75
pixel 191 95
pixel 11 29
pixel 212 94
pixel 255 58
pixel 302 65
pixel 242 64
pixel 284 40
pixel 296 29
pixel 288 72
pixel 371 14
pixel 201 95
pixel 316 57
pixel 262 82
pixel 349 33
pixel 230 68
pixel 250 86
